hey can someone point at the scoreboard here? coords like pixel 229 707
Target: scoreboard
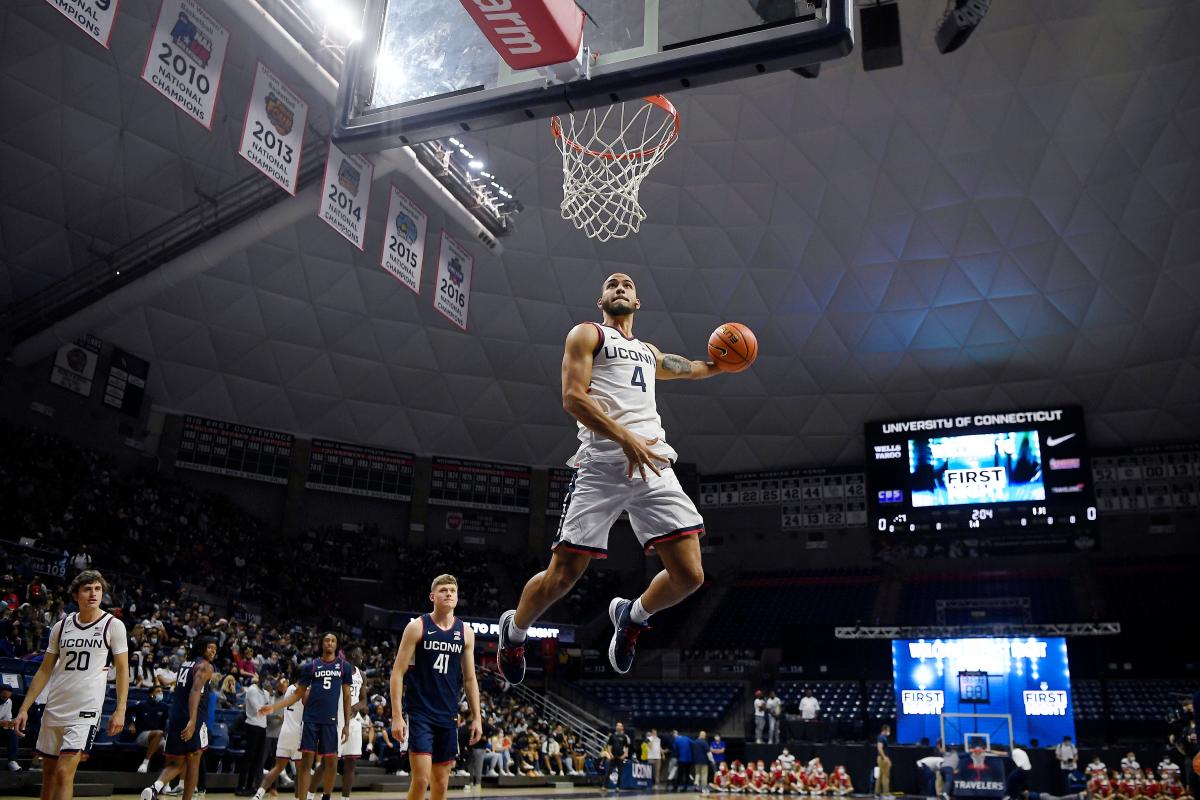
pixel 359 470
pixel 1148 480
pixel 241 451
pixel 807 498
pixel 479 484
pixel 559 483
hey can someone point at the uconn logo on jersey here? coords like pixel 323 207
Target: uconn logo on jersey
pixel 443 647
pixel 615 352
pixel 93 641
pixel 321 671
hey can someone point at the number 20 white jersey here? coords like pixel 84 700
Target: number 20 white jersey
pixel 623 386
pixel 75 694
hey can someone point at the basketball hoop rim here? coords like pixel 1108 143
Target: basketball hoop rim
pixel 656 100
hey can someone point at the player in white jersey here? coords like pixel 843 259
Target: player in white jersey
pixel 350 749
pixel 287 749
pixel 82 648
pixel 623 464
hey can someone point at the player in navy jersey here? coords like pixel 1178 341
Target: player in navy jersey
pixel 327 681
pixel 441 650
pixel 187 733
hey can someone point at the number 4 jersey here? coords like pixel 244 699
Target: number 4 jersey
pixel 623 386
pixel 435 679
pixel 75 694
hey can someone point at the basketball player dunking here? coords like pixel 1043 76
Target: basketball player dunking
pixel 81 649
pixel 623 464
pixel 441 650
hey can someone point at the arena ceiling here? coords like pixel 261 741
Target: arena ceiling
pixel 1016 224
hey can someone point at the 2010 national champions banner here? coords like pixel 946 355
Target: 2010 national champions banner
pixel 186 57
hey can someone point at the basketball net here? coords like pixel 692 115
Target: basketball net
pixel 607 153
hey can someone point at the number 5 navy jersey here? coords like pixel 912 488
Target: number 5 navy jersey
pixel 324 681
pixel 435 679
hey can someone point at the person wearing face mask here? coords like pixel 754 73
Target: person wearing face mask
pixel 148 721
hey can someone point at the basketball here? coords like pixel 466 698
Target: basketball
pixel 733 346
pixel 1196 764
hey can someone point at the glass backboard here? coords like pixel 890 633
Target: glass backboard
pixel 423 70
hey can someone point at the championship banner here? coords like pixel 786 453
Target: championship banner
pixel 94 17
pixel 186 57
pixel 126 385
pixel 344 197
pixel 75 365
pixel 273 133
pixel 404 240
pixel 453 282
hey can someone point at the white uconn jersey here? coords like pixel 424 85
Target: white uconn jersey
pixel 293 718
pixel 75 694
pixel 623 386
pixel 356 687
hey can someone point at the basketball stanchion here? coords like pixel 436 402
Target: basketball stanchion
pixel 607 153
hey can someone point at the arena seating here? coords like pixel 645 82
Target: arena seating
pixel 1048 595
pixel 782 604
pixel 686 705
pixel 841 701
pixel 1087 697
pixel 881 700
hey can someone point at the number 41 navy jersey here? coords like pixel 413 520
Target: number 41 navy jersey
pixel 435 680
pixel 324 681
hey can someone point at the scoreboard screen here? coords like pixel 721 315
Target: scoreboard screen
pixel 807 498
pixel 1014 469
pixel 479 484
pixel 559 483
pixel 1148 480
pixel 241 451
pixel 358 470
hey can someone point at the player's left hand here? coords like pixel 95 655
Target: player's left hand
pixel 266 710
pixel 345 732
pixel 476 730
pixel 189 729
pixel 116 723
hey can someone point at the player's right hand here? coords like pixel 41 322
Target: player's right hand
pixel 20 722
pixel 188 730
pixel 399 729
pixel 265 710
pixel 638 453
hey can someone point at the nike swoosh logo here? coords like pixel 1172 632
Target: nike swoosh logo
pixel 722 351
pixel 1051 441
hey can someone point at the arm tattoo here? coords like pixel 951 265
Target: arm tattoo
pixel 676 364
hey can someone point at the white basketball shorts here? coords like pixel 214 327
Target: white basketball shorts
pixel 352 747
pixel 288 745
pixel 659 510
pixel 63 740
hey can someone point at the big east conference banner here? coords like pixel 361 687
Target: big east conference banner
pixel 187 54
